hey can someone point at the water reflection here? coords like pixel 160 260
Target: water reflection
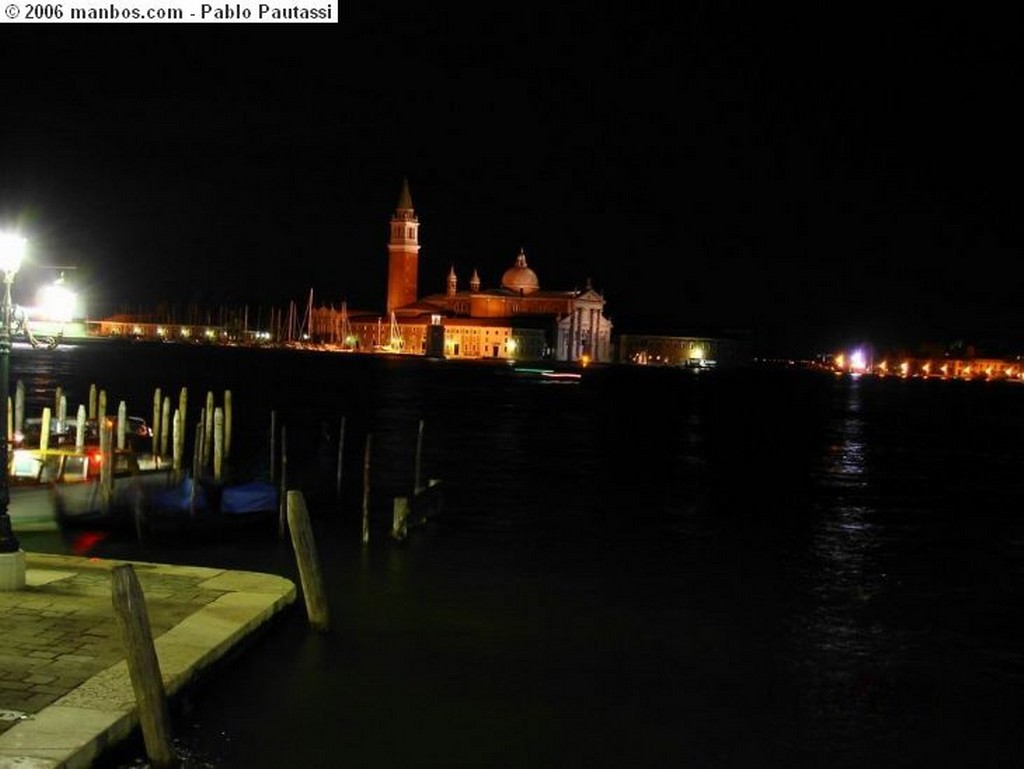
pixel 842 651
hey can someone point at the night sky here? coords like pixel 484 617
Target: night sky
pixel 817 180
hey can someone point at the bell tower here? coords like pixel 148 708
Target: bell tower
pixel 403 252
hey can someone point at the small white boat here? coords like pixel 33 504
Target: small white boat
pixel 63 486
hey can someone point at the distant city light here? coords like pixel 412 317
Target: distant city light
pixel 858 361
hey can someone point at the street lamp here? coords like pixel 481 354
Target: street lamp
pixel 12 557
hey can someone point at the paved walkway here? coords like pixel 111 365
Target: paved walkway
pixel 65 692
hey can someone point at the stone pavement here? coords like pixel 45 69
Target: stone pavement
pixel 65 692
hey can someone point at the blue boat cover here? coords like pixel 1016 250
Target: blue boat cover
pixel 179 498
pixel 253 497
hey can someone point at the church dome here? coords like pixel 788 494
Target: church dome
pixel 520 278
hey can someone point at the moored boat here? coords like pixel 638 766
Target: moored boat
pixel 64 486
pixel 189 508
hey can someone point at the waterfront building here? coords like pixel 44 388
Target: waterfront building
pixel 670 348
pixel 517 319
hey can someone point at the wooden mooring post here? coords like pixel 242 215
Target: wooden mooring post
pixel 400 518
pixel 157 425
pixel 218 444
pixel 44 429
pixel 416 486
pixel 19 409
pixel 165 427
pixel 282 516
pixel 80 428
pixel 122 425
pixel 228 421
pixel 178 447
pixel 207 430
pixel 309 565
pixel 409 512
pixel 143 666
pixel 366 489
pixel 106 463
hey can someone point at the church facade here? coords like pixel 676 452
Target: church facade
pixel 518 319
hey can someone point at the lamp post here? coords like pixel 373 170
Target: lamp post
pixel 12 557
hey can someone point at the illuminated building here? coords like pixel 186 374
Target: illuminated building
pixel 518 319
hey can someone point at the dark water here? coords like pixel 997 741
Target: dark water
pixel 651 568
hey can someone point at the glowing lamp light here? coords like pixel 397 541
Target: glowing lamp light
pixel 904 368
pixel 56 302
pixel 840 361
pixel 883 367
pixel 12 252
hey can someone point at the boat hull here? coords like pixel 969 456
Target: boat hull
pixel 32 508
pixel 86 504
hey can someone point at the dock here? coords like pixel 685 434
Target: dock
pixel 65 690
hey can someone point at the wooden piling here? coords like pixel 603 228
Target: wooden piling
pixel 309 565
pixel 143 666
pixel 366 489
pixel 62 411
pixel 44 430
pixel 165 423
pixel 227 424
pixel 106 463
pixel 58 393
pixel 19 408
pixel 208 429
pixel 281 518
pixel 101 405
pixel 122 425
pixel 178 446
pixel 218 444
pixel 80 428
pixel 400 518
pixel 92 402
pixel 183 408
pixel 157 404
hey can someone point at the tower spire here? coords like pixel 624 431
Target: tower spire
pixel 403 252
pixel 404 198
